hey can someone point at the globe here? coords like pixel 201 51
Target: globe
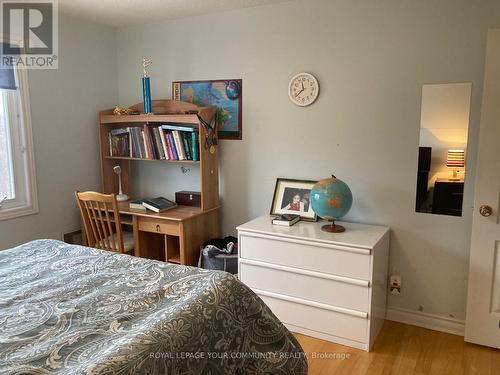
pixel 232 90
pixel 331 199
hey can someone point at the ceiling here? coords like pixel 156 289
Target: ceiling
pixel 127 12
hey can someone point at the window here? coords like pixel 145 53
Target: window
pixel 17 172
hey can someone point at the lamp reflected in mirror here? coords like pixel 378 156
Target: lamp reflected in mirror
pixel 444 128
pixel 455 160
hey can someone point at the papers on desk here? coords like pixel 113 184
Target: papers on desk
pixel 137 205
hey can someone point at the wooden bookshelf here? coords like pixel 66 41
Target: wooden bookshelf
pixel 143 159
pixel 175 235
pixel 178 113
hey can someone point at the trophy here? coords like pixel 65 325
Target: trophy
pixel 146 86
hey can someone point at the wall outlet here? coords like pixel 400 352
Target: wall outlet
pixel 395 284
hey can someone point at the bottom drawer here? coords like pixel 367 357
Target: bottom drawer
pixel 317 319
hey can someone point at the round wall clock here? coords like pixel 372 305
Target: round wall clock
pixel 303 89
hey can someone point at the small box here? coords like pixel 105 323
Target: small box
pixel 188 198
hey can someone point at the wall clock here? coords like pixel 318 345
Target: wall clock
pixel 303 89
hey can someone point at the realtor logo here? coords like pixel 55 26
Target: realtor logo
pixel 29 31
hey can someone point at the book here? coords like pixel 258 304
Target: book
pixel 195 151
pixel 169 147
pixel 158 144
pixel 181 127
pixel 147 140
pixel 137 149
pixel 156 152
pixel 286 220
pixel 178 145
pixel 137 205
pixel 146 151
pixel 172 145
pixel 133 147
pixel 187 149
pixel 119 142
pixel 163 143
pixel 159 204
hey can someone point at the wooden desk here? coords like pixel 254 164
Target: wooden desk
pixel 174 236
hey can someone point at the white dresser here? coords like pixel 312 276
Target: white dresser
pixel 331 286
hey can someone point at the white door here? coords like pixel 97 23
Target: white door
pixel 482 325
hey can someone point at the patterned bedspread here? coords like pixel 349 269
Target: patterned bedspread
pixel 68 309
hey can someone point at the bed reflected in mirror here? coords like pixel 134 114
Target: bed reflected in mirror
pixel 444 127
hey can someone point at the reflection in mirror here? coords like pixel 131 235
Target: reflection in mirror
pixel 444 128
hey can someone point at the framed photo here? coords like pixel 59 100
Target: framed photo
pixel 225 94
pixel 293 197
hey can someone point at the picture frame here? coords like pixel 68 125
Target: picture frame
pixel 292 196
pixel 225 94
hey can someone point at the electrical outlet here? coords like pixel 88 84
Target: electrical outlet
pixel 395 284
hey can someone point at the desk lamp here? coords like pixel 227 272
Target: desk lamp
pixel 120 197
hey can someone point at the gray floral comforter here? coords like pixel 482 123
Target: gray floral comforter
pixel 74 310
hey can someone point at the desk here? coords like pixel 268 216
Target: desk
pixel 174 236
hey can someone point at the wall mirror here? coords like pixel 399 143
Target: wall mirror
pixel 444 127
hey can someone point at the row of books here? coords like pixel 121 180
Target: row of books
pixel 165 142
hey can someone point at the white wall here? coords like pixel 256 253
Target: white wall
pixel 64 106
pixel 371 59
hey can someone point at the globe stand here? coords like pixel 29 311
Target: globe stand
pixel 333 228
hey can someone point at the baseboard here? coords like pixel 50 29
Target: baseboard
pixel 430 321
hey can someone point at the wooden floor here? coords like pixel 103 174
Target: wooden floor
pixel 402 349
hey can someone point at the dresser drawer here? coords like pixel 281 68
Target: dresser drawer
pixel 314 286
pixel 318 319
pixel 314 256
pixel 158 226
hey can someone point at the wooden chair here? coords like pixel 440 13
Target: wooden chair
pixel 101 221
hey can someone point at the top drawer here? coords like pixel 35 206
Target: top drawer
pixel 154 225
pixel 310 256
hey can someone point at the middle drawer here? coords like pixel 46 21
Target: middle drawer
pixel 312 286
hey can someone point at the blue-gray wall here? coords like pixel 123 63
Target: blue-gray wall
pixel 371 59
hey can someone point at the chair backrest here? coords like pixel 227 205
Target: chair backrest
pixel 101 220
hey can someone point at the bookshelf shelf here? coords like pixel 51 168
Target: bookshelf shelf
pixel 188 119
pixel 144 159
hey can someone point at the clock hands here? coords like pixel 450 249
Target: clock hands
pixel 300 92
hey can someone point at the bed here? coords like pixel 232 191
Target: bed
pixel 70 309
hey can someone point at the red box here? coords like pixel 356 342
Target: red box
pixel 188 198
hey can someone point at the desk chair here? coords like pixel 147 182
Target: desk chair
pixel 101 221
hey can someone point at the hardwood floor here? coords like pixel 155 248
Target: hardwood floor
pixel 402 349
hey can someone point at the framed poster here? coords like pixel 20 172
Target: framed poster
pixel 225 94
